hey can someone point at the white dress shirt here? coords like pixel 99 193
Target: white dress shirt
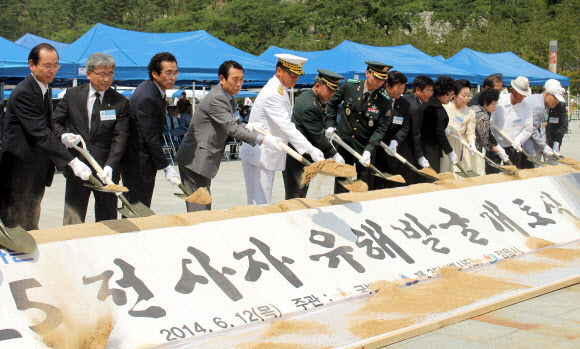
pixel 515 120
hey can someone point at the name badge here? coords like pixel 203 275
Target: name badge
pixel 107 115
pixel 517 121
pixel 398 120
pixel 458 120
pixel 553 120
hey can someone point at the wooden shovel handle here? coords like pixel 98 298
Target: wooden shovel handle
pixel 506 136
pixel 293 153
pixel 464 143
pixel 90 159
pixel 396 155
pixel 336 138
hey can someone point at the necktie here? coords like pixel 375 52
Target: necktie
pixel 48 107
pixel 96 109
pixel 366 96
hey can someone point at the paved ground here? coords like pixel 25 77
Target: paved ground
pixel 552 320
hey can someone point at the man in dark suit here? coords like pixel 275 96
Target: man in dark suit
pixel 493 81
pixel 144 155
pixel 200 154
pixel 396 134
pixel 100 115
pixel 308 116
pixel 30 147
pixel 423 88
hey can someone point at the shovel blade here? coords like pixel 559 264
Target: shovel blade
pixel 181 195
pixel 135 210
pixel 102 189
pixel 17 239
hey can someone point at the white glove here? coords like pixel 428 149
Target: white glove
pixel 453 157
pixel 75 139
pixel 392 148
pixel 547 151
pixel 556 147
pixel 250 126
pixel 366 158
pixel 502 154
pixel 107 172
pixel 80 169
pixel 329 132
pixel 472 148
pixel 316 154
pixel 447 131
pixel 423 162
pixel 338 158
pixel 272 142
pixel 518 145
pixel 170 174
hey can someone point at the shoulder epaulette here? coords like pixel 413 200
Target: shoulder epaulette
pixel 354 81
pixel 385 96
pixel 281 89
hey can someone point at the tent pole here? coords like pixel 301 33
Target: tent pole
pixel 74 82
pixel 193 88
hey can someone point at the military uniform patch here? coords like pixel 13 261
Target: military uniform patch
pixel 347 111
pixel 281 89
pixel 354 81
pixel 385 96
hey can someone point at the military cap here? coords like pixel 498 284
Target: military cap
pixel 331 79
pixel 380 70
pixel 291 62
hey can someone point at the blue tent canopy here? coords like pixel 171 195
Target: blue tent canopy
pixel 13 61
pixel 507 63
pixel 272 50
pixel 349 58
pixel 439 57
pixel 198 54
pixel 30 40
pixel 244 94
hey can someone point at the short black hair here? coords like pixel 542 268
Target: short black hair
pixel 224 69
pixel 155 63
pixel 396 77
pixel 488 96
pixel 461 84
pixel 444 85
pixel 490 81
pixel 421 82
pixel 34 54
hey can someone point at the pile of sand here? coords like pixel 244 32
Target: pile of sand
pixel 116 187
pixel 329 167
pixel 568 161
pixel 201 196
pixel 357 186
pixel 80 334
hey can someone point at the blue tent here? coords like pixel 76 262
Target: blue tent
pixel 349 58
pixel 507 63
pixel 13 61
pixel 198 54
pixel 272 50
pixel 29 41
pixel 439 57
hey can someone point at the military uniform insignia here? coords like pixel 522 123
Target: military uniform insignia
pixel 347 111
pixel 281 89
pixel 385 96
pixel 354 81
pixel 371 123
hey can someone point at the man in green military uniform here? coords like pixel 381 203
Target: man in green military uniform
pixel 363 118
pixel 308 116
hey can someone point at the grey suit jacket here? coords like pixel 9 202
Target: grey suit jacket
pixel 204 143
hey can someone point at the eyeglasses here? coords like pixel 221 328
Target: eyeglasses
pixel 102 75
pixel 429 92
pixel 171 74
pixel 291 73
pixel 50 66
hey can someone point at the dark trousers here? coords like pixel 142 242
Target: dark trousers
pixel 390 164
pixel 515 156
pixel 363 173
pixel 433 155
pixel 76 200
pixel 192 182
pixel 495 158
pixel 292 176
pixel 525 163
pixel 22 186
pixel 140 186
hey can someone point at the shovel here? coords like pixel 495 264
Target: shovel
pixel 190 197
pixel 478 153
pixel 16 239
pixel 129 210
pixel 376 171
pixel 404 161
pixel 508 138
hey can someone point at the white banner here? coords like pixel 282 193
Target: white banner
pixel 171 283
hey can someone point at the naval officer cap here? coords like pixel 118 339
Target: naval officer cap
pixel 331 79
pixel 379 69
pixel 291 62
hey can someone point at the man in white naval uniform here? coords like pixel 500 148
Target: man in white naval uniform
pixel 273 111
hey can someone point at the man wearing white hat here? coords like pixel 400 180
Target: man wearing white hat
pixel 514 118
pixel 540 106
pixel 272 110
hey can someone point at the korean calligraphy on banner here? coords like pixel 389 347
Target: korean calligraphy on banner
pixel 180 282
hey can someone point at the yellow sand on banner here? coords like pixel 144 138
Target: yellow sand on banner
pixel 329 167
pixel 201 196
pixel 186 219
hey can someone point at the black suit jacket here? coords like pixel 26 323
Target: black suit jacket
pixel 416 122
pixel 435 121
pixel 107 139
pixel 27 128
pixel 144 154
pixel 555 130
pixel 398 129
